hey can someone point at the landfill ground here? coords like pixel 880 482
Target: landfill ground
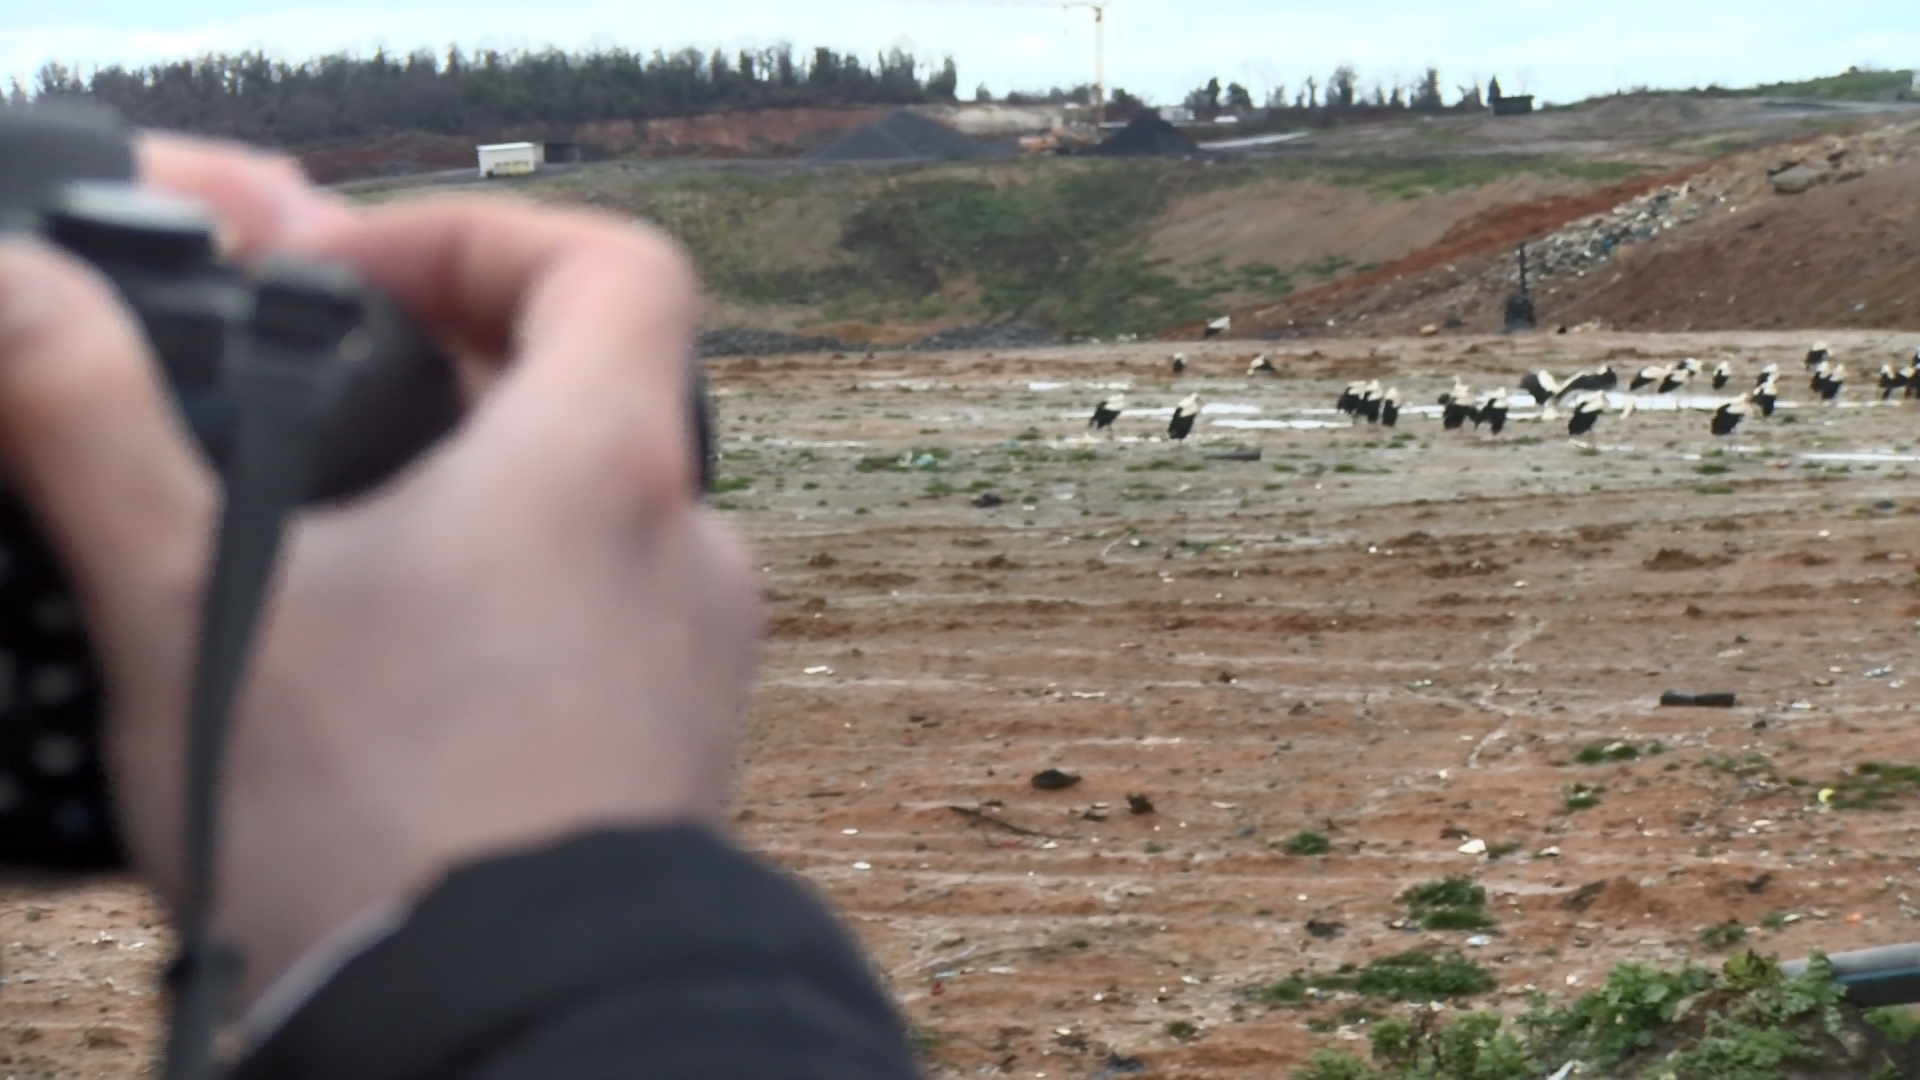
pixel 1401 640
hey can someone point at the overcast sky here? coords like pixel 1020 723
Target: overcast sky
pixel 1156 48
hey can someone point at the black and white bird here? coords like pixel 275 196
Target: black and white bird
pixel 1261 366
pixel 1679 377
pixel 1219 326
pixel 1390 407
pixel 1765 397
pixel 1890 381
pixel 1460 392
pixel 1105 413
pixel 1179 363
pixel 1492 411
pixel 1828 380
pixel 1542 385
pixel 1818 355
pixel 1728 416
pixel 1586 413
pixel 1370 401
pixel 1913 377
pixel 1601 378
pixel 1722 374
pixel 1349 403
pixel 1457 411
pixel 1767 375
pixel 1652 375
pixel 1184 414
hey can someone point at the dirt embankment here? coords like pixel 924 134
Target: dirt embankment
pixel 1712 246
pixel 744 134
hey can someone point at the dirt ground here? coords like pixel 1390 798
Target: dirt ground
pixel 1401 640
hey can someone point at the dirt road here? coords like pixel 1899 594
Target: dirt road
pixel 1399 640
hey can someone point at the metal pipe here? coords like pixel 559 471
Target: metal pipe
pixel 1889 975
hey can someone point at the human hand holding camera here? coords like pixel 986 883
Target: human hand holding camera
pixel 532 631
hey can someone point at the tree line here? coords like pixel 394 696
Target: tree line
pixel 251 97
pixel 1341 93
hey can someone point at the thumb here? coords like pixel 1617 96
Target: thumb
pixel 90 441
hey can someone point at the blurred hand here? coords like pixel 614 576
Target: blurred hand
pixel 533 631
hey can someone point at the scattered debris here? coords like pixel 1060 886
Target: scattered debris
pixel 1054 780
pixel 1325 930
pixel 1674 699
pixel 984 818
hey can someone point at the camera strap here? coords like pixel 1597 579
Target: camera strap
pixel 287 359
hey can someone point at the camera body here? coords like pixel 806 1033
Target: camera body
pixel 67 176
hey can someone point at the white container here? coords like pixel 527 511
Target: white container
pixel 510 159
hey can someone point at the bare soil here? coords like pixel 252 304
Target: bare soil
pixel 1401 640
pixel 1841 254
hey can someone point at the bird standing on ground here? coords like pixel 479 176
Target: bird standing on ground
pixel 1722 374
pixel 1818 355
pixel 1828 379
pixel 1492 411
pixel 1651 375
pixel 1105 413
pixel 1179 363
pixel 1728 416
pixel 1913 377
pixel 1890 381
pixel 1184 415
pixel 1765 396
pixel 1586 413
pixel 1390 407
pixel 1349 402
pixel 1767 375
pixel 1219 326
pixel 1370 402
pixel 1457 411
pixel 1261 366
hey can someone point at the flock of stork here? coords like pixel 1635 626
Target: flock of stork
pixel 1584 394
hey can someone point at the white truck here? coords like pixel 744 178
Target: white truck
pixel 511 159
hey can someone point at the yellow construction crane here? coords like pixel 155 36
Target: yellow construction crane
pixel 1099 9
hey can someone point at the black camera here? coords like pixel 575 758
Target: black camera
pixel 67 176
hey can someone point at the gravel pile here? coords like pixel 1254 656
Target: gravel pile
pixel 905 135
pixel 1000 336
pixel 766 343
pixel 1148 135
pixel 1587 243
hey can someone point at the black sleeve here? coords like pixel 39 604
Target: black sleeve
pixel 662 953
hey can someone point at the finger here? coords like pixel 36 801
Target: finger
pixel 600 314
pixel 91 441
pixel 262 200
pixel 466 265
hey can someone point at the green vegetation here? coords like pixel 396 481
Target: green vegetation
pixel 1582 796
pixel 1749 1021
pixel 1723 935
pixel 1854 84
pixel 1454 903
pixel 1307 842
pixel 1419 975
pixel 726 485
pixel 1875 785
pixel 1057 247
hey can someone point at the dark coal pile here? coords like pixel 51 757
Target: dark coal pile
pixel 767 343
pixel 1147 136
pixel 999 336
pixel 904 135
